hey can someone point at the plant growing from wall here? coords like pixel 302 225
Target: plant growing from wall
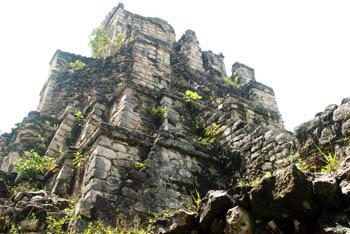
pixel 196 200
pixel 35 164
pixel 330 161
pixel 77 65
pixel 49 125
pixel 199 125
pixel 303 166
pixel 140 166
pixel 157 113
pixel 232 82
pixel 42 142
pixel 79 160
pixel 118 41
pixel 79 116
pixel 211 134
pixel 99 41
pixel 59 225
pixel 192 98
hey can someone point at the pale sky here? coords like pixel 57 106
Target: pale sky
pixel 300 48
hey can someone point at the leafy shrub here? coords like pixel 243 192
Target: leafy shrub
pixel 232 82
pixel 192 96
pixel 79 116
pixel 255 182
pixel 199 125
pixel 118 41
pixel 77 65
pixel 49 125
pixel 14 229
pixel 98 42
pixel 35 164
pixel 140 166
pixel 211 134
pixel 78 160
pixel 157 112
pixel 24 186
pixel 59 225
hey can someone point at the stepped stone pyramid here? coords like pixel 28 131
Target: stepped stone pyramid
pixel 134 164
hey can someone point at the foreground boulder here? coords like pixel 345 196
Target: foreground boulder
pixel 327 192
pixel 213 209
pixel 239 221
pixel 284 196
pixel 182 222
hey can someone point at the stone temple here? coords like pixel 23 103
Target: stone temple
pixel 135 163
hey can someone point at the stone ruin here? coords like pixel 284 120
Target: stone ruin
pixel 135 164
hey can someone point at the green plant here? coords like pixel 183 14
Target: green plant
pixel 14 229
pixel 303 166
pixel 140 166
pixel 232 82
pixel 242 183
pixel 267 174
pixel 192 96
pixel 196 200
pixel 329 159
pixel 255 182
pixel 199 124
pixel 79 116
pixel 24 186
pixel 59 225
pixel 35 164
pixel 98 227
pixel 211 134
pixel 49 125
pixel 78 160
pixel 157 112
pixel 42 142
pixel 154 216
pixel 77 65
pixel 98 42
pixel 118 41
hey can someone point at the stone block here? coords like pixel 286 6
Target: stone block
pixel 99 162
pixel 105 152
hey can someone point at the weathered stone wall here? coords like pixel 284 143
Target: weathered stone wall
pixel 132 27
pixel 33 133
pixel 214 64
pixel 133 162
pixel 329 131
pixel 189 50
pixel 59 67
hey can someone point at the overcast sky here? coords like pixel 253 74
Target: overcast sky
pixel 300 48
